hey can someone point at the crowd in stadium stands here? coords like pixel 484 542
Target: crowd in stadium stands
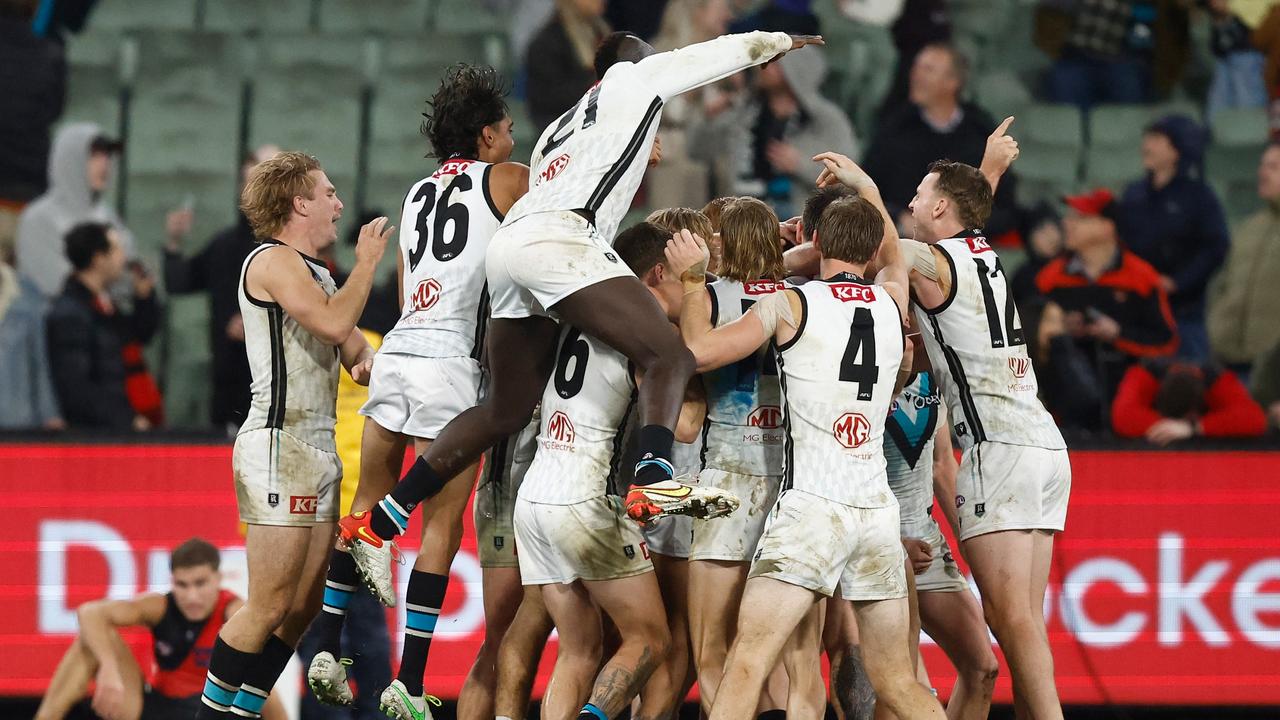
pixel 1147 315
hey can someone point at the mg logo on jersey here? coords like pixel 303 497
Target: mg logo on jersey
pixel 851 430
pixel 426 295
pixel 302 504
pixel 1019 366
pixel 849 292
pixel 553 169
pixel 977 244
pixel 766 416
pixel 560 428
pixel 761 287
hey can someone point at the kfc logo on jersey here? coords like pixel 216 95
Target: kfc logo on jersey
pixel 762 287
pixel 851 430
pixel 553 169
pixel 977 244
pixel 426 295
pixel 452 167
pixel 849 292
pixel 767 417
pixel 1019 366
pixel 560 429
pixel 302 504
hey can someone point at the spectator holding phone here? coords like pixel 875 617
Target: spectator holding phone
pixel 1113 303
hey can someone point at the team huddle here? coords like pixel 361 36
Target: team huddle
pixel 705 459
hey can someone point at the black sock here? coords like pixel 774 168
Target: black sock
pixel 655 443
pixel 339 585
pixel 775 714
pixel 391 514
pixel 421 609
pixel 261 677
pixel 227 668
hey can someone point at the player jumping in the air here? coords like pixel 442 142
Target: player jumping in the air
pixel 552 256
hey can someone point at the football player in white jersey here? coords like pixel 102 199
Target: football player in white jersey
pixel 1015 477
pixel 553 256
pixel 574 537
pixel 300 329
pixel 921 464
pixel 842 355
pixel 428 372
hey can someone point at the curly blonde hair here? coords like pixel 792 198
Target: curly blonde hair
pixel 267 198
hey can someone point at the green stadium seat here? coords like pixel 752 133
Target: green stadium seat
pixel 466 17
pixel 1240 127
pixel 185 355
pixel 1239 197
pixel 393 17
pixel 284 113
pixel 151 195
pixel 1112 167
pixel 258 16
pixel 1053 125
pixel 1046 172
pixel 93 95
pixel 144 14
pixel 1001 93
pixel 1117 126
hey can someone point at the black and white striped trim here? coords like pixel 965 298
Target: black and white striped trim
pixel 619 168
pixel 956 368
pixel 279 370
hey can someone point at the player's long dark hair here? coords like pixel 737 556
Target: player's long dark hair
pixel 469 98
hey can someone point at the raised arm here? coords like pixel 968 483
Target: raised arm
pixel 282 276
pixel 100 622
pixel 681 70
pixel 1001 151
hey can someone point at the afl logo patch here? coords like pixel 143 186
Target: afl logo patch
pixel 554 168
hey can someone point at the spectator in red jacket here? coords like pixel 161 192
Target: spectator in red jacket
pixel 1115 307
pixel 1169 401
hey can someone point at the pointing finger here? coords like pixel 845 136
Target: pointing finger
pixel 1004 127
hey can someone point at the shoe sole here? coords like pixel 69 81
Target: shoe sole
pixel 371 586
pixel 697 507
pixel 327 693
pixel 393 712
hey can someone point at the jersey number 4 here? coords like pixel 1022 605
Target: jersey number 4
pixel 444 247
pixel 862 337
pixel 1006 331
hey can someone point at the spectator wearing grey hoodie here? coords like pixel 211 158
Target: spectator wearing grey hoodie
pixel 776 130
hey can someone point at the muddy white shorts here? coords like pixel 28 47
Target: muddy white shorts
pixel 669 536
pixel 827 546
pixel 733 538
pixel 590 540
pixel 942 575
pixel 281 480
pixel 539 259
pixel 495 502
pixel 1012 487
pixel 418 396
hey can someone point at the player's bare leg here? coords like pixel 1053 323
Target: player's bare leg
pixel 715 592
pixel 954 621
pixel 770 611
pixel 883 626
pixel 851 691
pixel 577 621
pixel 802 660
pixel 276 558
pixel 913 639
pixel 502 595
pixel 78 666
pixel 519 654
pixel 308 584
pixel 1012 601
pixel 661 696
pixel 634 604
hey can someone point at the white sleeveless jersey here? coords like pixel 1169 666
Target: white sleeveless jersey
pixel 908 451
pixel 446 223
pixel 743 430
pixel 593 157
pixel 837 375
pixel 295 374
pixel 584 409
pixel 978 350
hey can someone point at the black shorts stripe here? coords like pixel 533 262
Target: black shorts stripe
pixel 619 168
pixel 956 368
pixel 279 372
pixel 482 325
pixel 788 442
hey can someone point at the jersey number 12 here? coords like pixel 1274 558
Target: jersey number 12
pixel 1002 332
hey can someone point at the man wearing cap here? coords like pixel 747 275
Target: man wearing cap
pixel 1114 303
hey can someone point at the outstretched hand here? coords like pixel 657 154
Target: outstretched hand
pixel 799 41
pixel 687 257
pixel 839 169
